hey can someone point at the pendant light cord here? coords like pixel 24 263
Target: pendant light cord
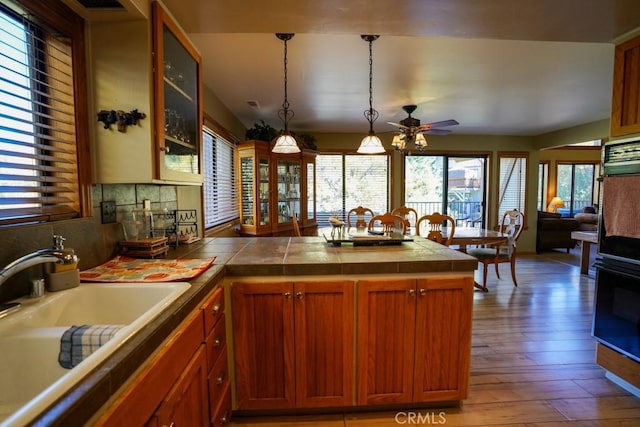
pixel 285 113
pixel 371 115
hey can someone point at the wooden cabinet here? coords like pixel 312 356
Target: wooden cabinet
pixel 414 339
pixel 219 391
pixel 273 187
pixel 147 65
pixel 625 108
pixel 177 103
pixel 186 382
pixel 293 344
pixel 175 367
pixel 185 405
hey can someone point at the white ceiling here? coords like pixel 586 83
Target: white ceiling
pixel 502 67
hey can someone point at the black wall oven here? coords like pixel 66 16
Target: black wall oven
pixel 616 314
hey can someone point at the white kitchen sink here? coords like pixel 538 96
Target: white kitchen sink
pixel 30 376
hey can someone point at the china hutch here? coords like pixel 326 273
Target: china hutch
pixel 273 187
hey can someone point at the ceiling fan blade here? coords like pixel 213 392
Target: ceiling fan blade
pixel 442 123
pixel 436 131
pixel 398 125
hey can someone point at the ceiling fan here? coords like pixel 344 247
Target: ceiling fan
pixel 410 130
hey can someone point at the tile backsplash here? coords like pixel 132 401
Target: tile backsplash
pixel 93 242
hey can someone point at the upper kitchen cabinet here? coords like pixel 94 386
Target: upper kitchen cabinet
pixel 625 108
pixel 146 65
pixel 178 94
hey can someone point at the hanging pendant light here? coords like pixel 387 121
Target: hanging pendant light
pixel 371 144
pixel 285 143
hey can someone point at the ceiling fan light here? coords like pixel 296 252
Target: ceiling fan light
pixel 371 144
pixel 399 142
pixel 286 144
pixel 421 141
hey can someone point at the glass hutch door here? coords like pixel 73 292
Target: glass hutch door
pixel 288 174
pixel 309 166
pixel 255 189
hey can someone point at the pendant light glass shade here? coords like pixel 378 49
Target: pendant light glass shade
pixel 285 144
pixel 371 144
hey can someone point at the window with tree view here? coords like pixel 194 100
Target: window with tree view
pixel 577 187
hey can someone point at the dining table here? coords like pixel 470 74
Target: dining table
pixel 465 236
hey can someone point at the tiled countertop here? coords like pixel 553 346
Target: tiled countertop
pixel 247 256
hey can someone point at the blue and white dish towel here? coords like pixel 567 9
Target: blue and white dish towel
pixel 78 342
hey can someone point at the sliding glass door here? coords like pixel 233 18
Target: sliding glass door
pixel 453 185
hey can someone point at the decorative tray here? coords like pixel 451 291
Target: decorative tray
pixel 363 238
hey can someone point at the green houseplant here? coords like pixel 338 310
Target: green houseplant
pixel 262 132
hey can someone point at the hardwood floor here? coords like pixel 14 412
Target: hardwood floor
pixel 533 359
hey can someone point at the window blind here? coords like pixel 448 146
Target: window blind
pixel 513 182
pixel 219 190
pixel 367 182
pixel 329 187
pixel 345 181
pixel 38 156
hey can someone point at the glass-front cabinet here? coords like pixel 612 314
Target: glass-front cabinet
pixel 178 108
pixel 288 175
pixel 273 187
pixel 255 189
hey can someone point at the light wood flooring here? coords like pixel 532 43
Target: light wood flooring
pixel 533 359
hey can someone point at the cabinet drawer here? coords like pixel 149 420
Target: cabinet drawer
pixel 218 381
pixel 213 308
pixel 222 414
pixel 216 343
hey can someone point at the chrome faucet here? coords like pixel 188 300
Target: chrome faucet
pixel 57 253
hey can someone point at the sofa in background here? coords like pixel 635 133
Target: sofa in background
pixel 554 232
pixel 587 219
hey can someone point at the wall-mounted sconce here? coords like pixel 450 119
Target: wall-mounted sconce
pixel 120 117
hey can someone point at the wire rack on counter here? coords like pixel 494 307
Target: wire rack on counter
pixel 180 226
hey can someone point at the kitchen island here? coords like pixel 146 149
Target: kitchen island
pixel 426 346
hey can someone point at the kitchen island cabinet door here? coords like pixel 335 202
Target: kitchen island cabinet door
pixel 324 328
pixel 443 338
pixel 386 335
pixel 263 344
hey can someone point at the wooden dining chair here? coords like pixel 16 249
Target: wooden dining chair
pixel 436 221
pixel 360 216
pixel 512 224
pixel 408 214
pixel 296 226
pixel 389 223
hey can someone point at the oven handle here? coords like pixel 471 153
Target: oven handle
pixel 630 272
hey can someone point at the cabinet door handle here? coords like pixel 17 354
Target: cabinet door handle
pixel 223 420
pixel 423 292
pixel 412 292
pixel 215 309
pixel 220 378
pixel 218 342
pixel 166 150
pixel 287 294
pixel 299 295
